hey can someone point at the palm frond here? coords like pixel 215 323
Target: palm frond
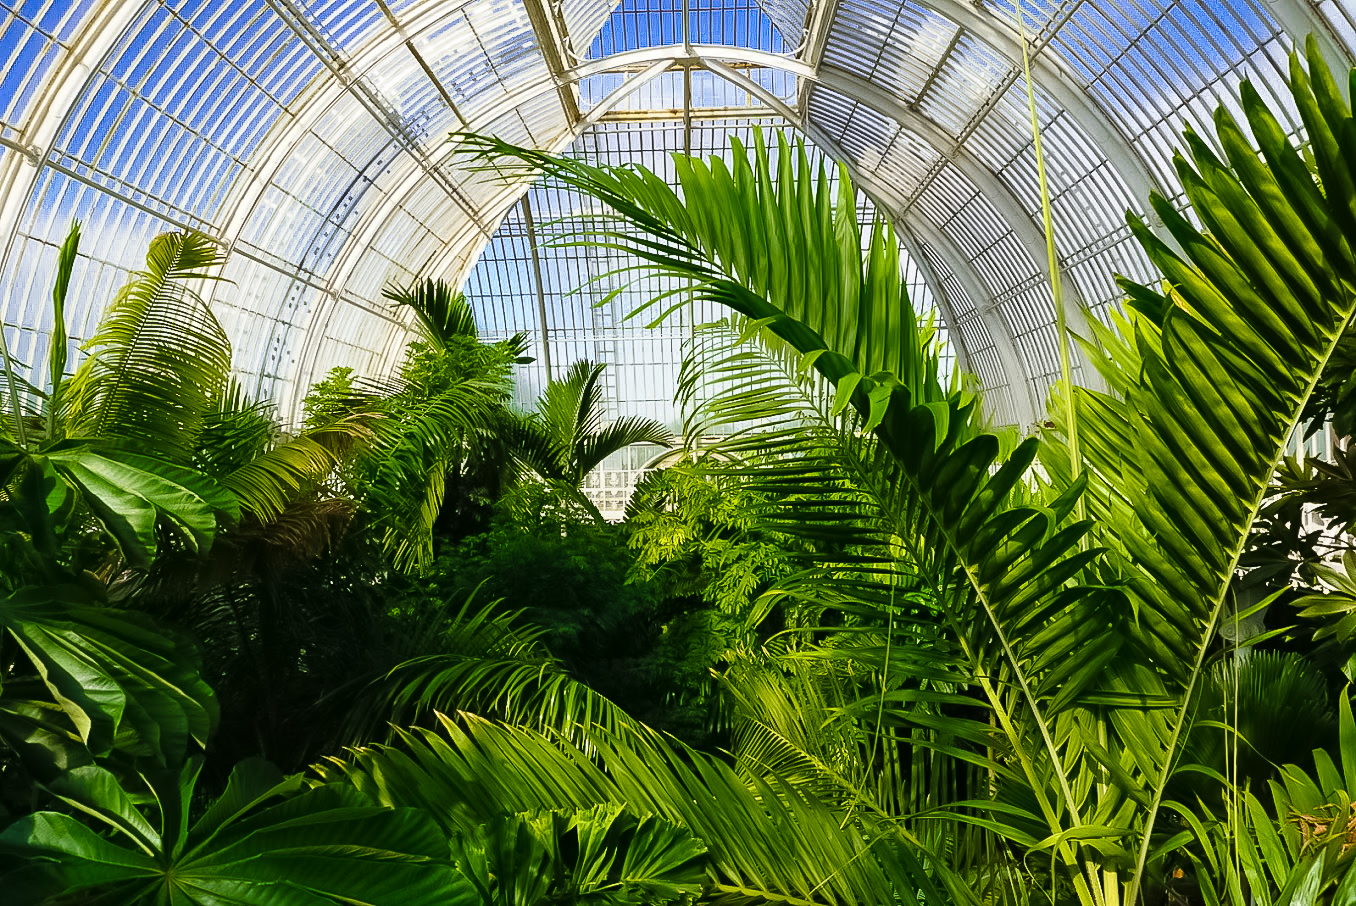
pixel 410 453
pixel 480 659
pixel 767 841
pixel 565 437
pixel 536 449
pixel 598 446
pixel 159 359
pixel 1005 570
pixel 442 311
pixel 1216 372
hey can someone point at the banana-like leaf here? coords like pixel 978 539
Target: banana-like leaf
pixel 326 845
pixel 58 351
pixel 120 679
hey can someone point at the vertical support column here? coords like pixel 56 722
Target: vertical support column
pixel 536 276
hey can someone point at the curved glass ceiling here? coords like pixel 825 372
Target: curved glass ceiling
pixel 310 140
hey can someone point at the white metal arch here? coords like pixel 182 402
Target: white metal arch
pixel 458 254
pixel 19 173
pixel 1055 77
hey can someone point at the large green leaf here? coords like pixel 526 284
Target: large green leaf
pixel 1212 377
pixel 766 842
pixel 119 678
pixel 131 493
pixel 1005 571
pixel 266 841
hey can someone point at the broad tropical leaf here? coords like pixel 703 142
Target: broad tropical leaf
pixel 328 844
pixel 130 494
pixel 119 678
pixel 767 842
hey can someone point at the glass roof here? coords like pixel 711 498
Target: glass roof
pixel 310 139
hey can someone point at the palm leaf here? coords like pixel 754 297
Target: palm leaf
pixel 565 438
pixel 768 842
pixel 159 358
pixel 1005 569
pixel 442 311
pixel 479 659
pixel 1216 372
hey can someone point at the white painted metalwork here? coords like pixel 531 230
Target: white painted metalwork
pixel 309 140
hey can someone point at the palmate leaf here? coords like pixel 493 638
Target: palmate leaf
pixel 326 845
pixel 159 358
pixel 120 679
pixel 128 494
pixel 1216 372
pixel 771 841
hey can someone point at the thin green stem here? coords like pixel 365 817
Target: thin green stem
pixel 1052 261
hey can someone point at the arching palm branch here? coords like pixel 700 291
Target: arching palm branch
pixel 566 436
pixel 769 842
pixel 159 359
pixel 442 311
pixel 1212 380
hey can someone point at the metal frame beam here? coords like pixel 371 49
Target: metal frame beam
pixel 551 34
pixel 996 192
pixel 1298 18
pixel 52 105
pixel 816 41
pixel 544 327
pixel 1058 80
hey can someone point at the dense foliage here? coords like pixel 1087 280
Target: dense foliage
pixel 859 649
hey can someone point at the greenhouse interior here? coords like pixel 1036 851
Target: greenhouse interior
pixel 634 452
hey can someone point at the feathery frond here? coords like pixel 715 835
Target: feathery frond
pixel 159 359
